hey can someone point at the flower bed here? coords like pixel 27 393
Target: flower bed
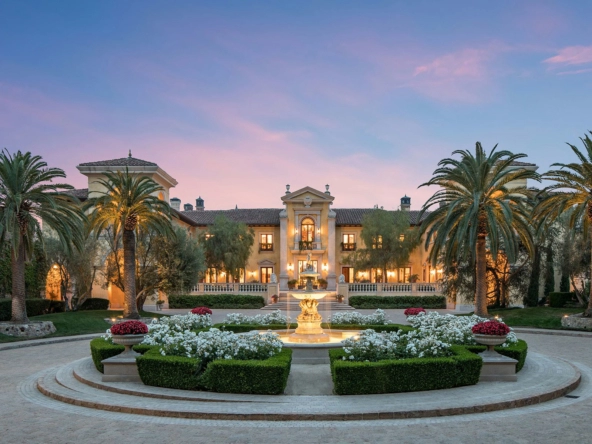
pixel 274 318
pixel 216 301
pixel 414 311
pixel 201 311
pixel 397 301
pixel 356 318
pixel 102 348
pixel 404 375
pixel 244 328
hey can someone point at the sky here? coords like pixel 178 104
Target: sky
pixel 236 99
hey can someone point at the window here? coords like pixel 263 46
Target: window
pixel 404 274
pixel 401 237
pixel 266 242
pixel 348 242
pixel 307 230
pixel 266 273
pixel 211 276
pixel 376 275
pixel 377 242
pixel 348 272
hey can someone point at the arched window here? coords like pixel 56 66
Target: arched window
pixel 307 230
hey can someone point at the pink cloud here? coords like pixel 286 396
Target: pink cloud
pixel 572 55
pixel 466 63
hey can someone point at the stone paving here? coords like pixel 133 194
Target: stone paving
pixel 564 420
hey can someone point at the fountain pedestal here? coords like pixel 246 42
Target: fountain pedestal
pixel 309 323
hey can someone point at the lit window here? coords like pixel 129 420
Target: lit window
pixel 266 273
pixel 266 243
pixel 377 242
pixel 349 242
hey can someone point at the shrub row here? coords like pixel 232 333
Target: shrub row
pixel 216 301
pixel 35 307
pixel 101 349
pixel 404 375
pixel 559 300
pixel 95 304
pixel 263 377
pixel 397 301
pixel 516 351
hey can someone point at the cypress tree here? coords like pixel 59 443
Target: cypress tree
pixel 532 295
pixel 564 284
pixel 550 273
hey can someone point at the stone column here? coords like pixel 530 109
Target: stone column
pixel 331 284
pixel 284 250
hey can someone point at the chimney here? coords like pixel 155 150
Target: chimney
pixel 176 203
pixel 405 203
pixel 188 207
pixel 199 204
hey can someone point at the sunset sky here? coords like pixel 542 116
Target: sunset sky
pixel 237 99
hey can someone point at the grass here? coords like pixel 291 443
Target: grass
pixel 538 317
pixel 76 323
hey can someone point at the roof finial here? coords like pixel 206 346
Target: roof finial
pixel 130 153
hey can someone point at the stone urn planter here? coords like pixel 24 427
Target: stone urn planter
pixel 128 341
pixel 490 341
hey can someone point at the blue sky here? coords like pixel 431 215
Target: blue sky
pixel 236 99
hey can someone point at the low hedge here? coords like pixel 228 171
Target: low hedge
pixel 397 301
pixel 35 307
pixel 216 301
pixel 559 299
pixel 101 349
pixel 243 328
pixel 516 351
pixel 263 377
pixel 378 328
pixel 95 304
pixel 404 375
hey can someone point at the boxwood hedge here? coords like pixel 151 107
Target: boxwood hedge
pixel 177 372
pixel 559 299
pixel 516 351
pixel 95 304
pixel 35 307
pixel 397 301
pixel 216 301
pixel 404 375
pixel 101 349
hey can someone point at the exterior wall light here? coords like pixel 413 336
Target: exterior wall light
pixel 325 266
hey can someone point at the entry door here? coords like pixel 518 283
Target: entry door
pixel 348 272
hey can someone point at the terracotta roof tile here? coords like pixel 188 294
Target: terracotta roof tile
pixel 124 161
pixel 354 216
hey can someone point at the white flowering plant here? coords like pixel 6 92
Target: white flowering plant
pixel 373 346
pixel 274 318
pixel 452 329
pixel 355 318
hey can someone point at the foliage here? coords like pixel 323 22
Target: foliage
pixel 532 294
pixel 201 311
pixel 243 328
pixel 128 204
pixel 389 240
pixel 167 327
pixel 275 317
pixel 549 273
pixel 414 311
pixel 539 317
pixel 397 301
pixel 94 304
pixel 129 328
pixel 558 300
pixel 227 245
pixel 475 206
pixel 517 351
pixel 492 328
pixel 28 195
pixel 35 307
pixel 101 349
pixel 216 301
pixel 404 375
pixel 176 372
pixel 355 318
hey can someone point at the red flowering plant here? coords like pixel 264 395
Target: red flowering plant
pixel 202 311
pixel 413 311
pixel 129 328
pixel 492 328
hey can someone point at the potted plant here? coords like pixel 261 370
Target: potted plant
pixel 201 311
pixel 340 298
pixel 414 311
pixel 292 284
pixel 490 333
pixel 414 278
pixel 274 299
pixel 322 283
pixel 128 334
pixel 159 305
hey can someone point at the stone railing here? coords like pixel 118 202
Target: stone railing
pixel 307 245
pixel 235 288
pixel 393 289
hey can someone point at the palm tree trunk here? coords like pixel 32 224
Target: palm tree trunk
pixel 481 279
pixel 130 309
pixel 588 312
pixel 19 307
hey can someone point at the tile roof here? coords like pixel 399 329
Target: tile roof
pixel 124 161
pixel 354 216
pixel 252 216
pixel 81 194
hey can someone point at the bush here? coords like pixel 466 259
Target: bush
pixel 558 300
pixel 264 377
pixel 397 301
pixel 243 328
pixel 516 351
pixel 216 301
pixel 101 349
pixel 378 328
pixel 404 375
pixel 35 307
pixel 201 311
pixel 95 304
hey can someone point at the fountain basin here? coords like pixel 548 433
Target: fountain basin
pixel 303 294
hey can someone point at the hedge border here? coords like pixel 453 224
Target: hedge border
pixel 101 349
pixel 390 302
pixel 404 375
pixel 559 299
pixel 216 301
pixel 35 307
pixel 516 351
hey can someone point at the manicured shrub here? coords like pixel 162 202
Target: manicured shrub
pixel 95 304
pixel 35 307
pixel 397 301
pixel 201 311
pixel 262 377
pixel 404 375
pixel 216 301
pixel 559 299
pixel 517 351
pixel 168 371
pixel 101 349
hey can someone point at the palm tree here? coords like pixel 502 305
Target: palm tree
pixel 28 197
pixel 475 207
pixel 127 202
pixel 570 195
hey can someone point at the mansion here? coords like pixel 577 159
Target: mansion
pixel 304 223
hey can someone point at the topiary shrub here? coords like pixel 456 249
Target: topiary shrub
pixel 559 299
pixel 95 304
pixel 101 349
pixel 216 301
pixel 397 301
pixel 404 375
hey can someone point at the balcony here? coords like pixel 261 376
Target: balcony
pixel 348 246
pixel 300 246
pixel 265 247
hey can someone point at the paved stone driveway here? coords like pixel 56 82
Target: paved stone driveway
pixel 24 422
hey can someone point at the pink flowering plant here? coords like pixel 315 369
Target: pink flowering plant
pixel 129 328
pixel 492 328
pixel 201 311
pixel 414 311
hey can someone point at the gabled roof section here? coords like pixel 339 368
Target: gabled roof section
pixel 253 216
pixel 354 216
pixel 298 195
pixel 123 162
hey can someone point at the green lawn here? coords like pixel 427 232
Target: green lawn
pixel 539 317
pixel 77 323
